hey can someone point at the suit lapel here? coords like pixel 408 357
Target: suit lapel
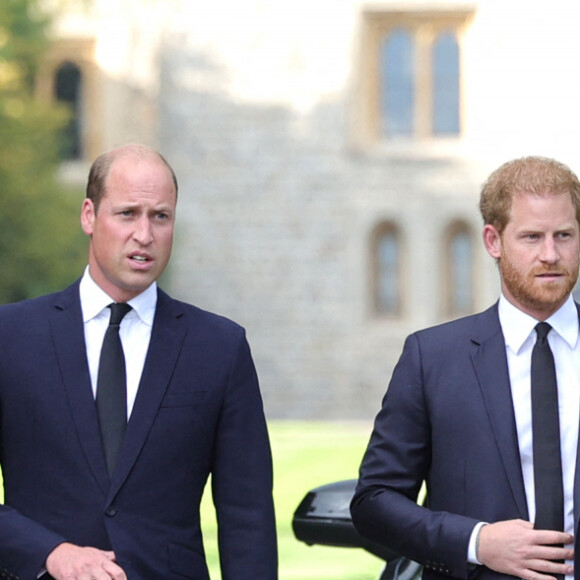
pixel 490 363
pixel 68 335
pixel 167 337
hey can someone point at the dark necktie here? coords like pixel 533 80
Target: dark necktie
pixel 112 387
pixel 546 435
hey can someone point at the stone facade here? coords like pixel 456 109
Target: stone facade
pixel 260 106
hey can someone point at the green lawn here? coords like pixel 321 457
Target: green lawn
pixel 307 455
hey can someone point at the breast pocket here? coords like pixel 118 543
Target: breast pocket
pixel 183 399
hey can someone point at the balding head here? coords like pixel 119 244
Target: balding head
pixel 101 168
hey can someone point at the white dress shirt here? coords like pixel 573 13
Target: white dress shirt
pixel 135 331
pixel 520 336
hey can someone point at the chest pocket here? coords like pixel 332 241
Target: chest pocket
pixel 183 399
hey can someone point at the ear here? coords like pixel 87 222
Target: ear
pixel 88 216
pixel 492 241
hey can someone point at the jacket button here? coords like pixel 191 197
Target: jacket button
pixel 111 511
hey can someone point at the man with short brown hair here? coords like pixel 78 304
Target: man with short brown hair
pixel 458 412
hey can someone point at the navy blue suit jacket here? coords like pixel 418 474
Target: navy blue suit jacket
pixel 447 419
pixel 198 412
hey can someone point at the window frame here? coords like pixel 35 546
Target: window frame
pixel 79 52
pixel 425 26
pixel 455 228
pixel 381 229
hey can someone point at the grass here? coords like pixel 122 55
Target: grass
pixel 307 455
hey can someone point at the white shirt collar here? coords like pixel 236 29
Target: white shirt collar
pixel 517 325
pixel 94 300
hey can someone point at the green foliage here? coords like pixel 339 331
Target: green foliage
pixel 22 37
pixel 40 241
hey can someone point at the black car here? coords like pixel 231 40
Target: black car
pixel 323 518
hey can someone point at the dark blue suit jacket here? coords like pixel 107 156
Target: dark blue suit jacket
pixel 447 419
pixel 198 412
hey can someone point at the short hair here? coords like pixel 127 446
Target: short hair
pixel 101 167
pixel 532 175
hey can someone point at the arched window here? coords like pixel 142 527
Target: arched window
pixel 398 83
pixel 446 85
pixel 386 273
pixel 459 271
pixel 68 89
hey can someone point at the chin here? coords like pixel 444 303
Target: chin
pixel 549 304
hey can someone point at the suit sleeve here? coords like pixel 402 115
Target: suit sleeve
pixel 242 478
pixel 396 463
pixel 25 543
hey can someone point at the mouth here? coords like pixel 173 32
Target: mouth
pixel 550 275
pixel 140 259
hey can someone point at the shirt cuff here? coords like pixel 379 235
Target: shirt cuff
pixel 474 544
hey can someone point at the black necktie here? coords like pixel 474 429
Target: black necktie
pixel 546 435
pixel 112 387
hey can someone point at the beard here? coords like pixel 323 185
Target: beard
pixel 531 292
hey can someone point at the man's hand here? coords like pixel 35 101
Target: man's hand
pixel 70 562
pixel 515 547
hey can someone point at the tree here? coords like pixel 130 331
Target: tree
pixel 41 246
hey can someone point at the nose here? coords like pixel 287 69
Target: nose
pixel 549 251
pixel 143 232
